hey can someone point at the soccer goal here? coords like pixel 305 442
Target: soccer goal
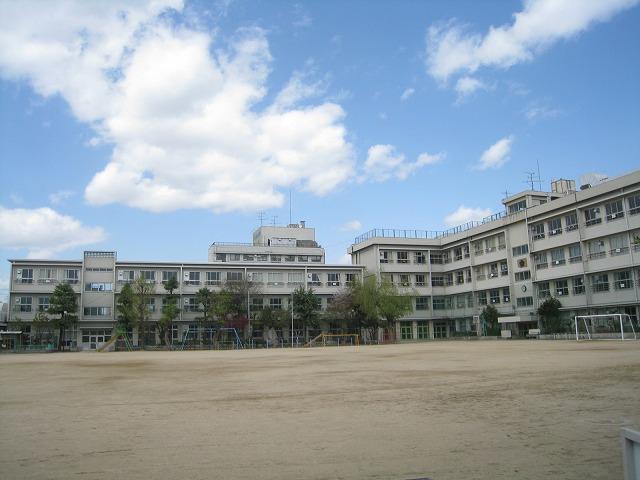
pixel 335 340
pixel 611 326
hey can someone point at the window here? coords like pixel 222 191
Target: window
pixel 25 275
pixel 537 231
pixel 516 207
pixel 98 287
pixel 385 256
pixel 506 295
pixel 544 290
pixel 614 210
pixel 403 257
pixel 571 221
pixel 48 275
pixel 437 281
pixel 493 270
pixel 276 258
pixel 333 279
pixel 482 298
pixel 555 226
pixel 477 248
pixel 501 241
pixel 314 280
pixel 494 295
pixel 192 278
pixel 420 257
pixel 557 257
pixel 262 258
pixel 592 216
pixel 422 303
pixel 622 280
pixel 234 257
pixel 303 258
pixel 43 304
pixel 562 288
pixel 634 204
pixel 151 304
pixel 149 276
pixel 289 258
pixel 315 258
pixel 438 303
pixel 480 273
pixel 468 275
pixel 575 253
pixel 491 244
pixel 524 301
pixel 349 278
pixel 600 282
pixel 448 279
pixel 540 260
pixel 295 278
pixel 169 275
pixel 221 257
pixel 522 276
pixel 459 277
pixel 213 278
pixel 446 257
pixel 234 276
pixel 275 278
pixel 596 249
pixel 619 245
pixel 578 285
pixel 256 277
pixel 465 250
pixel 71 275
pixel 248 258
pixel 435 257
pixel 504 268
pixel 520 250
pixel 470 300
pixel 191 304
pixel 457 253
pixel 257 303
pixel 275 303
pixel 126 276
pixel 97 311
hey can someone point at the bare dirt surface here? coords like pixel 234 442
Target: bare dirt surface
pixel 442 410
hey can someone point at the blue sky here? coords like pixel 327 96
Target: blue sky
pixel 155 129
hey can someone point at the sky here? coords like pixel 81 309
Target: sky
pixel 154 128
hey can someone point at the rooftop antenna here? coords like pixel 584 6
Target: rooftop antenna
pixel 261 215
pixel 539 179
pixel 274 220
pixel 289 206
pixel 506 193
pixel 531 179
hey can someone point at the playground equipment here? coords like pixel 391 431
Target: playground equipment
pixel 111 344
pixel 334 339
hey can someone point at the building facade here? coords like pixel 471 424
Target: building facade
pixel 582 247
pixel 274 271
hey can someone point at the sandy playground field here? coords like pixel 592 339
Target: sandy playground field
pixel 442 410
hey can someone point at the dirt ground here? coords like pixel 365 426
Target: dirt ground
pixel 442 410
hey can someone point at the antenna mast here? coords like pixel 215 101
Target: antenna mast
pixel 261 215
pixel 289 206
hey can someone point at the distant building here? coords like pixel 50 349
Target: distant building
pixel 582 247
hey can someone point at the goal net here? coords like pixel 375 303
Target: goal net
pixel 334 340
pixel 619 326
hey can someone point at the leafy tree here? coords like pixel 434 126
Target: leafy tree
pixel 42 328
pixel 63 302
pixel 231 302
pixel 207 300
pixel 126 308
pixel 142 292
pixel 269 318
pixel 549 312
pixel 306 307
pixel 392 305
pixel 170 311
pixel 489 316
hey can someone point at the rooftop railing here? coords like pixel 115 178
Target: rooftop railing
pixel 425 234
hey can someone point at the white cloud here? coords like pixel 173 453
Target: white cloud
pixel 351 226
pixel 496 155
pixel 466 86
pixel 302 17
pixel 384 162
pixel 60 196
pixel 186 116
pixel 451 49
pixel 407 94
pixel 44 232
pixel 538 112
pixel 465 214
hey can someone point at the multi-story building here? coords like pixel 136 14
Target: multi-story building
pixel 582 247
pixel 274 271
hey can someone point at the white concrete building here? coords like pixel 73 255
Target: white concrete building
pixel 582 247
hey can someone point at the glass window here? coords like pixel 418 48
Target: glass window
pixel 522 276
pixel 25 275
pixel 276 258
pixel 43 304
pixel 506 295
pixel 438 303
pixel 303 258
pixel 634 204
pixel 275 303
pixel 520 250
pixel 575 253
pixel 596 249
pixel 403 257
pixel 482 298
pixel 578 285
pixel 619 245
pixel 148 275
pixel 436 257
pixel 71 276
pixel 275 278
pixel 592 216
pixel 289 258
pixel 420 280
pixel 555 226
pixel 562 287
pixel 622 280
pixel 557 257
pixel 213 278
pixel 169 275
pixel 234 257
pixel 459 277
pixel 248 258
pixel 540 260
pixel 234 276
pixel 544 290
pixel 333 279
pixel 614 210
pixel 422 303
pixel 437 281
pixel 457 253
pixel 537 231
pixel 600 282
pixel 504 268
pixel 192 278
pixel 571 221
pixel 385 256
pixel 524 301
pixel 315 258
pixel 349 278
pixel 314 279
pixel 494 295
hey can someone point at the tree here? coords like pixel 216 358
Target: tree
pixel 231 302
pixel 489 316
pixel 392 305
pixel 269 319
pixel 42 328
pixel 126 308
pixel 142 291
pixel 206 299
pixel 306 307
pixel 549 312
pixel 170 311
pixel 63 302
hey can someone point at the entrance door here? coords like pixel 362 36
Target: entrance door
pixel 96 340
pixel 406 332
pixel 440 330
pixel 423 331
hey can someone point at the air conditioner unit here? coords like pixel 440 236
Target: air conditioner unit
pixel 618 250
pixel 335 284
pixel 186 275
